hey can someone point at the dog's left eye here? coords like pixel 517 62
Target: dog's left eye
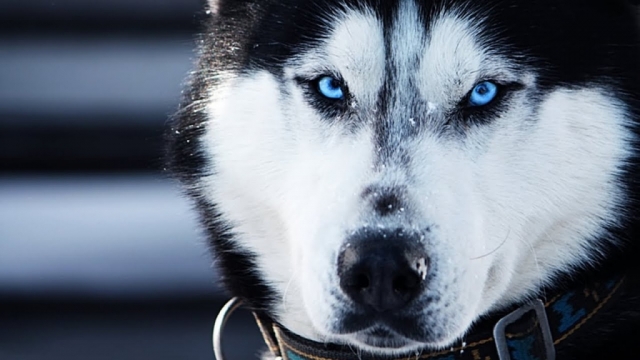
pixel 330 87
pixel 483 93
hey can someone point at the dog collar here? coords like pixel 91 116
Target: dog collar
pixel 532 331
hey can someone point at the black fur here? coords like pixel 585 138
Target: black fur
pixel 227 33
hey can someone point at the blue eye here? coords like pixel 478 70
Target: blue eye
pixel 483 93
pixel 330 88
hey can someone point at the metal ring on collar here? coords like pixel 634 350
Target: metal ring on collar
pixel 221 320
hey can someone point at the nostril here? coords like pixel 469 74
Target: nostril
pixel 361 282
pixel 405 284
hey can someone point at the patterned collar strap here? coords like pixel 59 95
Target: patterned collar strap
pixel 531 332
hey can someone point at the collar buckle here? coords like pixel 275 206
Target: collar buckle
pixel 500 335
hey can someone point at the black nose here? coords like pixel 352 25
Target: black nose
pixel 382 271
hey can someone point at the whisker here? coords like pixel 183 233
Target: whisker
pixel 496 249
pixel 286 291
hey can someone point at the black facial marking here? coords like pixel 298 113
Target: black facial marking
pixel 385 200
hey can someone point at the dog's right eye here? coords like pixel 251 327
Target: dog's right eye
pixel 330 87
pixel 483 93
pixel 328 93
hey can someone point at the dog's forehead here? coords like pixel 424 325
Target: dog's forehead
pixel 432 57
pixel 547 35
pixel 351 29
pixel 444 52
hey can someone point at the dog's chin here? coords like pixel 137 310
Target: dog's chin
pixel 389 335
pixel 381 340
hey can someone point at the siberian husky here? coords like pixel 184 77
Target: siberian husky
pixel 390 179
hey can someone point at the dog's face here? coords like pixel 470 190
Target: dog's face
pixel 382 173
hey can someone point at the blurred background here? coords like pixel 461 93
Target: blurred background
pixel 100 255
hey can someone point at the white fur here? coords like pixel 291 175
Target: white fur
pixel 355 50
pixel 510 203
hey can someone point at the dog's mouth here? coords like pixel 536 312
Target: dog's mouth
pixel 405 331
